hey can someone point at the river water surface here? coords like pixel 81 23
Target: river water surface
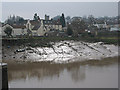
pixel 88 74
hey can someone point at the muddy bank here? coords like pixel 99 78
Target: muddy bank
pixel 63 51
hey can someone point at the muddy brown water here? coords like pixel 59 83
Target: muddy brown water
pixel 88 74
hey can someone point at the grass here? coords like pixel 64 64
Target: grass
pixel 45 41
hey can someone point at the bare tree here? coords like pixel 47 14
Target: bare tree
pixel 78 26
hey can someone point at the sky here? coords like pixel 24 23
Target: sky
pixel 27 9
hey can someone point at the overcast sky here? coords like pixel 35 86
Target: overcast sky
pixel 27 9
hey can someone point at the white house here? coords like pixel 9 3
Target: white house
pixel 115 27
pixel 16 30
pixel 104 25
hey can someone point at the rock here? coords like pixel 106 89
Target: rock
pixel 20 50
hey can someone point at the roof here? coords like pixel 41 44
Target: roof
pixel 18 26
pixel 34 22
pixel 57 22
pixel 36 27
pixel 15 26
pixel 47 22
pixel 3 25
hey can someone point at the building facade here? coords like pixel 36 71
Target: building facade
pixel 43 26
pixel 38 27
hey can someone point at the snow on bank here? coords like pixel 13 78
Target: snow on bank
pixel 65 51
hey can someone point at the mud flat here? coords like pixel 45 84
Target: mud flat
pixel 61 52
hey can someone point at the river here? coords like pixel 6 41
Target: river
pixel 89 74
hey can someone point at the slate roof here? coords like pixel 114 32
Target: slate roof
pixel 36 27
pixel 15 26
pixel 18 26
pixel 34 22
pixel 47 22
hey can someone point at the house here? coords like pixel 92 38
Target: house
pixel 101 25
pixel 42 26
pixel 35 28
pixel 76 18
pixel 38 27
pixel 17 30
pixel 115 27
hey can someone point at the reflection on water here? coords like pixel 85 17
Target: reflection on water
pixel 89 74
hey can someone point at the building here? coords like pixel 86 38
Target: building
pixel 115 27
pixel 38 27
pixel 17 30
pixel 101 25
pixel 46 17
pixel 43 26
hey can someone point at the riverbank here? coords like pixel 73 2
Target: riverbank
pixel 44 41
pixel 60 52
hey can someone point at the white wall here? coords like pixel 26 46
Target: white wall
pixel 16 31
pixel 41 31
pixel 19 31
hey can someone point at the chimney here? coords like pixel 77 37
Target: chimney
pixel 46 17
